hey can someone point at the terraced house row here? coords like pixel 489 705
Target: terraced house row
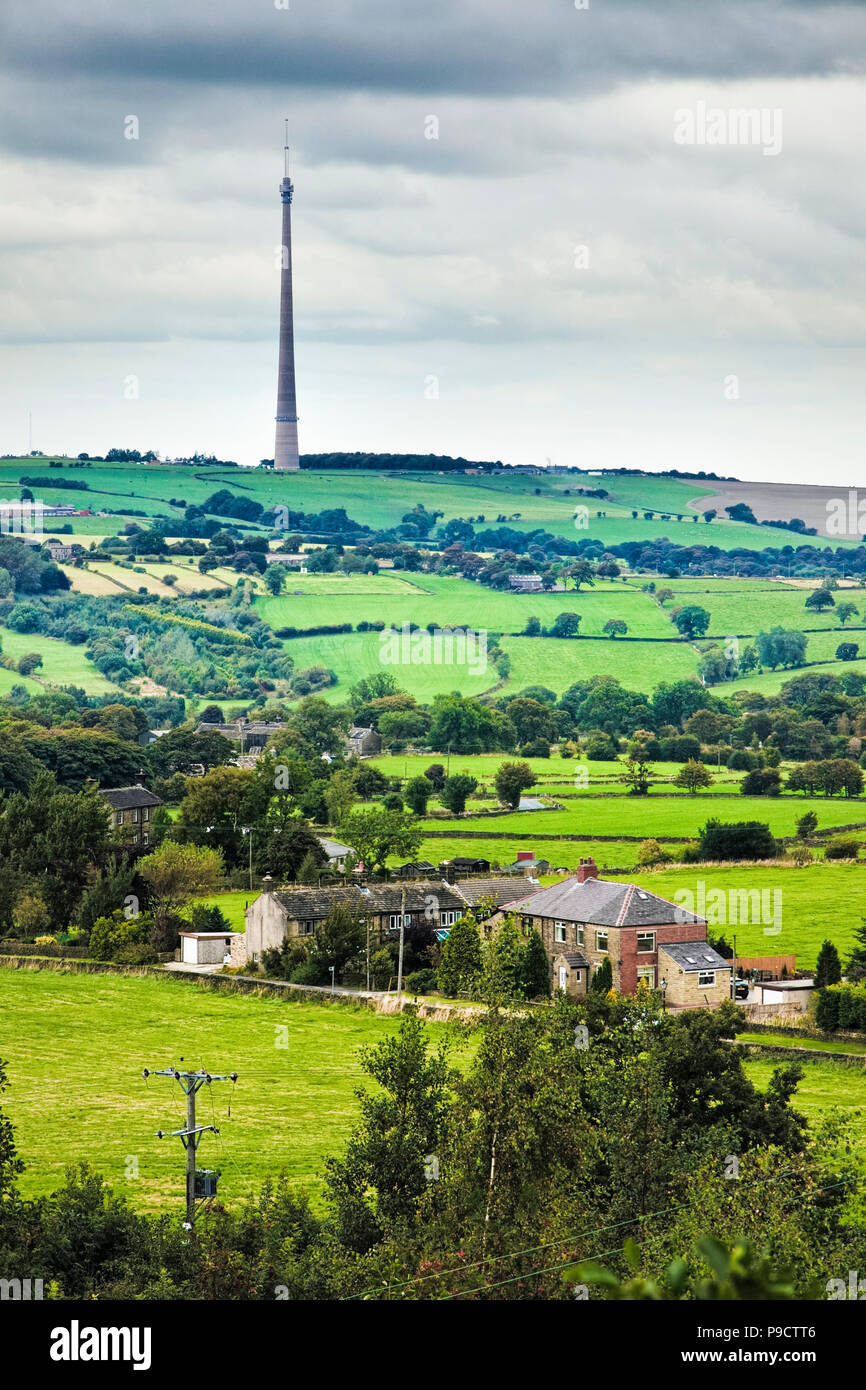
pixel 582 921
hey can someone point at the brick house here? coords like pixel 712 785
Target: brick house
pixel 278 913
pixel 131 811
pixel 584 919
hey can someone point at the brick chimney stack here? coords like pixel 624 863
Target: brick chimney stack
pixel 587 868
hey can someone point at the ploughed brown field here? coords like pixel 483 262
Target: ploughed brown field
pixel 783 502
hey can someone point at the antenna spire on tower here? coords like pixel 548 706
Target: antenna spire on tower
pixel 286 149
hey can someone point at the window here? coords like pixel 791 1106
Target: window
pixel 306 928
pixel 394 921
pixel 118 818
pixel 145 839
pixel 145 815
pixel 447 919
pixel 134 814
pixel 580 933
pixel 559 931
pixel 648 973
pixel 646 941
pixel 706 979
pixel 601 941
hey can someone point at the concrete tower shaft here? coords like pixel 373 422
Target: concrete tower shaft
pixel 286 441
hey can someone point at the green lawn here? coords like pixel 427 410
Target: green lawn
pixel 76 1046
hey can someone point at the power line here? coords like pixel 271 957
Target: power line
pixel 536 1273
pixel 593 1230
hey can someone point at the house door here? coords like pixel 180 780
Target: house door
pixel 563 977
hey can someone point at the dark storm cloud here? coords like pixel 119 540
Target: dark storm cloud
pixel 466 46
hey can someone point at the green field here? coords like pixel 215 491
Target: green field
pixel 379 499
pixel 76 1046
pixel 822 901
pixel 565 854
pixel 825 1086
pixel 292 1106
pixel 232 905
pixel 354 655
pixel 523 501
pixel 735 608
pixel 449 602
pixel 651 816
pixel 811 1044
pixel 62 663
pixel 558 664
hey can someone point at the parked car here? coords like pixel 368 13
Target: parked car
pixel 741 989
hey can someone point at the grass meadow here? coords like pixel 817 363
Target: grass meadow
pixel 650 816
pixel 62 663
pixel 292 1107
pixel 76 1046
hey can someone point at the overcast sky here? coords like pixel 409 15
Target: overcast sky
pixel 577 284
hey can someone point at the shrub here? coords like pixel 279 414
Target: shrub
pixel 309 973
pixel 841 1006
pixel 650 852
pixel 762 781
pixel 737 840
pixel 841 847
pixel 421 981
pixel 691 853
pixel 741 761
pixel 600 751
pixel 135 953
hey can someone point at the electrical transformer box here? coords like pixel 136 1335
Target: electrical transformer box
pixel 206 1182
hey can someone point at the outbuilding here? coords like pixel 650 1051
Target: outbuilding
pixel 206 947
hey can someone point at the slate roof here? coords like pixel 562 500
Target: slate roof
pixel 333 848
pixel 576 959
pixel 501 890
pixel 521 865
pixel 604 903
pixel 692 956
pixel 307 904
pixel 129 798
pixel 241 728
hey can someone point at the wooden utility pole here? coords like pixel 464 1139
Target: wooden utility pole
pixel 190 1083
